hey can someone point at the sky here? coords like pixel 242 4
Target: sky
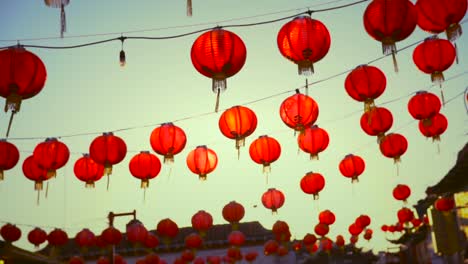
pixel 87 91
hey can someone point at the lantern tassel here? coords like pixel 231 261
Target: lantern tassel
pixel 108 180
pixel 438 148
pixel 395 63
pixel 454 31
pixel 442 97
pixel 144 195
pixel 9 123
pixel 217 100
pixel 63 21
pixel 1 175
pixel 38 197
pixel 189 8
pixel 47 190
pixel 456 52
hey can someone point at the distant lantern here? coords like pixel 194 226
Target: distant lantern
pixel 37 236
pixel 435 127
pixel 250 257
pixel 313 140
pixel 281 231
pixel 299 111
pixel 273 199
pixel 51 155
pixel 202 221
pixel 238 122
pixel 270 247
pixel 145 166
pixel 265 150
pixel 326 244
pixel 354 229
pixel 340 242
pixel 136 232
pixel 88 171
pixel 321 229
pixel 23 76
pixel 168 140
pixel 393 146
pixel 60 4
pixel 365 84
pixel 193 241
pixel 390 21
pixel 57 237
pixel 9 156
pixel 282 251
pixel 363 221
pixel 424 105
pixel 202 161
pixel 10 233
pixel 304 41
pixel 85 238
pixel 167 229
pixel 405 215
pixel 401 192
pixel 233 212
pixel 309 239
pixel 151 240
pixel 444 204
pixel 352 166
pixel 76 260
pixel 111 236
pixel 236 238
pixel 218 54
pixel 327 217
pixel 312 183
pixel 376 122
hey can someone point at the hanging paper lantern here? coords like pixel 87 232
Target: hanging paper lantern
pixel 238 122
pixel 202 161
pixel 265 150
pixel 399 227
pixel 391 229
pixel 33 172
pixel 51 155
pixel 108 150
pixel 313 140
pixel 213 259
pixel 85 238
pixel 401 192
pixel 233 212
pixel 312 183
pixel 37 236
pixel 236 238
pixel 193 241
pixel 136 232
pixel 280 227
pixel 168 140
pixel 416 222
pixel 444 204
pixel 435 126
pixel 273 199
pixel 76 260
pixel 10 233
pixel 327 217
pixel 187 256
pixel 340 242
pixel 100 243
pixel 363 221
pixel 218 54
pixel 353 239
pixel 390 21
pixel 250 257
pixel 282 251
pixel 326 244
pixel 367 236
pixel 144 166
pixel 199 260
pixel 364 84
pixel 405 215
pixel 354 229
pixel 299 111
pixel 167 229
pixel 111 236
pixel 321 229
pixel 423 106
pixel 57 237
pixel 393 146
pixel 202 221
pixel 151 240
pixel 376 122
pixel 309 239
pixel 22 76
pixel 152 258
pixel 312 248
pixel 88 171
pixel 352 166
pixel 304 41
pixel 9 156
pixel 384 228
pixel 296 246
pixel 60 4
pixel 234 254
pixel 438 16
pixel 270 247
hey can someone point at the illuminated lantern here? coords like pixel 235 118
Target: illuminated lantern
pixel 416 222
pixel 202 221
pixel 60 4
pixel 202 161
pixel 51 155
pixel 444 204
pixel 23 76
pixel 340 242
pixel 33 172
pixel 367 236
pixel 236 238
pixel 152 258
pixel 423 106
pixel 136 232
pixel 111 236
pixel 364 84
pixel 234 254
pixel 76 260
pixel 327 217
pixel 390 21
pixel 326 244
pixel 299 111
pixel 312 248
pixel 87 170
pixel 9 156
pixel 321 229
pixel 435 127
pixel 238 122
pixel 313 140
pixel 193 241
pixel 376 122
pixel 281 231
pixel 399 227
pixel 354 229
pixel 57 237
pixel 352 166
pixel 100 243
pixel 10 233
pixel 391 229
pixel 213 259
pixel 250 257
pixel 187 256
pixel 199 260
pixel 401 192
pixel 363 221
pixel 85 238
pixel 405 215
pixel 265 150
pixel 384 228
pixel 296 246
pixel 309 239
pixel 168 140
pixel 273 199
pixel 37 236
pixel 144 166
pixel 312 183
pixel 393 146
pixel 304 41
pixel 353 239
pixel 108 150
pixel 436 17
pixel 167 229
pixel 270 247
pixel 233 212
pixel 151 240
pixel 218 54
pixel 282 251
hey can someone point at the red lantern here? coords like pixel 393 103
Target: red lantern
pixel 367 236
pixel 340 242
pixel 391 229
pixel 282 251
pixel 270 247
pixel 354 229
pixel 202 221
pixel 393 146
pixel 213 259
pixel 364 84
pixel 352 166
pixel 299 111
pixel 309 239
pixel 187 256
pixel 423 106
pixel 401 192
pixel 85 238
pixel 202 161
pixel 151 240
pixel 250 257
pixel 57 237
pixel 236 238
pixel 296 246
pixel 399 227
pixel 9 156
pixel 321 229
pixel 199 260
pixel 405 215
pixel 238 122
pixel 51 155
pixel 265 150
pixel 111 236
pixel 353 239
pixel 304 41
pixel 234 254
pixel 376 122
pixel 313 140
pixel 390 21
pixel 312 248
pixel 363 221
pixel 444 204
pixel 280 227
pixel 22 76
pixel 152 258
pixel 327 217
pixel 233 212
pixel 312 183
pixel 37 236
pixel 108 150
pixel 87 170
pixel 384 228
pixel 33 172
pixel 273 199
pixel 435 127
pixel 436 16
pixel 193 241
pixel 136 232
pixel 145 166
pixel 168 140
pixel 326 244
pixel 218 54
pixel 76 260
pixel 416 222
pixel 167 229
pixel 10 233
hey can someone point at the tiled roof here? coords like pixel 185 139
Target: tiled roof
pixel 18 255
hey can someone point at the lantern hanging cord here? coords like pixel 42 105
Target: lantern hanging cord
pixel 100 219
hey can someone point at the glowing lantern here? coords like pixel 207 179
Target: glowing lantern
pixel 250 257
pixel 85 238
pixel 236 238
pixel 364 84
pixel 327 217
pixel 309 239
pixel 270 247
pixel 202 221
pixel 187 256
pixel 354 229
pixel 238 122
pixel 304 41
pixel 353 239
pixel 363 221
pixel 393 146
pixel 273 199
pixel 416 222
pixel 233 212
pixel 111 236
pixel 202 161
pixel 390 21
pixel 9 156
pixel 51 155
pixel 401 192
pixel 326 244
pixel 213 259
pixel 145 166
pixel 168 140
pixel 296 246
pixel 234 254
pixel 384 228
pixel 321 229
pixel 352 166
pixel 376 122
pixel 405 215
pixel 299 111
pixel 435 126
pixel 423 106
pixel 282 251
pixel 340 242
pixel 218 54
pixel 281 231
pixel 136 232
pixel 33 172
pixel 265 150
pixel 444 204
pixel 313 140
pixel 88 171
pixel 193 241
pixel 167 229
pixel 10 233
pixel 312 248
pixel 312 183
pixel 60 4
pixel 57 237
pixel 367 236
pixel 151 240
pixel 37 236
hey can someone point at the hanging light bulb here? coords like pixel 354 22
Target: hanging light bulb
pixel 122 58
